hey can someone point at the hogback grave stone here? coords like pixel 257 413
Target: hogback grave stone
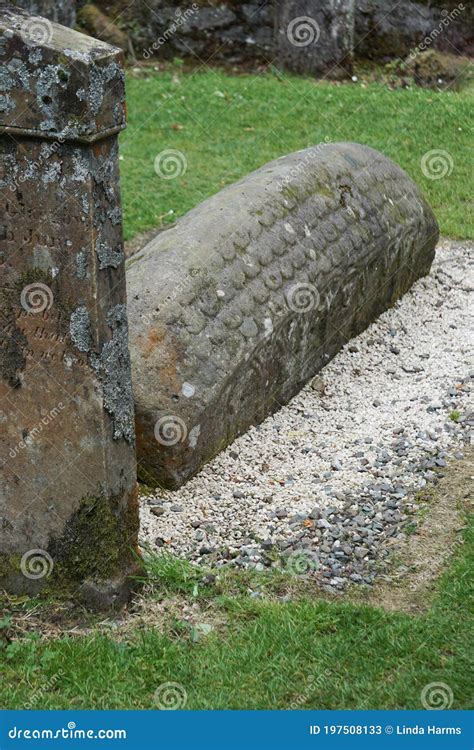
pixel 251 293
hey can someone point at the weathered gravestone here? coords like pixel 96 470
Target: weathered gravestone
pixel 315 37
pixel 232 310
pixel 68 510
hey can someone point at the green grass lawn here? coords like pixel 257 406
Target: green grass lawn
pixel 264 653
pixel 226 126
pixel 306 653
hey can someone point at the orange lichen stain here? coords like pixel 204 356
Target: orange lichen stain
pixel 168 361
pixel 152 341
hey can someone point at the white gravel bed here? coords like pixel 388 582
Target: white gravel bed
pixel 331 473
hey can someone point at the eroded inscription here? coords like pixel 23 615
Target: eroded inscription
pixel 44 341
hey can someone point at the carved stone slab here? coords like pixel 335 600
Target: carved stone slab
pixel 68 512
pixel 252 292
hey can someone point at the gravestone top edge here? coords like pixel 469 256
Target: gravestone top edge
pixel 56 82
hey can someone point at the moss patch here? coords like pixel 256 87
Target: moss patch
pixel 99 541
pixel 9 566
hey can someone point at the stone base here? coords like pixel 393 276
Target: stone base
pixel 93 562
pixel 98 595
pixel 111 594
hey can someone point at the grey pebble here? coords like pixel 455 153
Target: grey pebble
pixel 157 510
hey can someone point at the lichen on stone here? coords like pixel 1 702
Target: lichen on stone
pixel 81 265
pixel 6 103
pixel 52 172
pixel 109 256
pixel 112 367
pixel 35 56
pixel 115 215
pixel 20 71
pixel 80 329
pixel 80 167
